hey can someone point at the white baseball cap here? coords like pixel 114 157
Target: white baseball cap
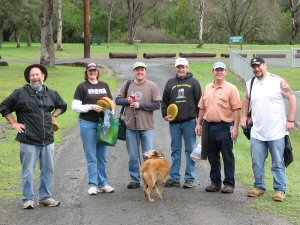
pixel 219 65
pixel 181 62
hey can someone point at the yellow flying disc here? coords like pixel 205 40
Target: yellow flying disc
pixel 110 102
pixel 172 111
pixel 55 125
pixel 103 104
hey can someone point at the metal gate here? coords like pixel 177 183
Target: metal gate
pixel 295 57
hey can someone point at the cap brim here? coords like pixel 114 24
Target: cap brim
pixel 91 68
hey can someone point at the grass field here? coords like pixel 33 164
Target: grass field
pixel 11 77
pixel 9 50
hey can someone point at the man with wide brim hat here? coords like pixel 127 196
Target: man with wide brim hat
pixel 41 67
pixel 36 106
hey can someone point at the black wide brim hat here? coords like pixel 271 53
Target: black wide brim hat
pixel 41 67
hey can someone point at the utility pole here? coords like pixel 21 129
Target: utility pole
pixel 86 6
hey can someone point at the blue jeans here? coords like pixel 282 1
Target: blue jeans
pixel 259 153
pixel 187 131
pixel 96 154
pixel 133 141
pixel 219 141
pixel 30 155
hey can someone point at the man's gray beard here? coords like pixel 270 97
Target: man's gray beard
pixel 36 87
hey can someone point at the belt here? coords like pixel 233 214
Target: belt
pixel 219 123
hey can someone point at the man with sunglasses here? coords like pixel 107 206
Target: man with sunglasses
pixel 271 123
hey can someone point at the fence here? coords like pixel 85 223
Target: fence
pixel 240 65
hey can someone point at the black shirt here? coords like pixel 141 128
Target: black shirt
pixel 90 93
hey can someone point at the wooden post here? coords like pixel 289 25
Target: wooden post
pixel 87 35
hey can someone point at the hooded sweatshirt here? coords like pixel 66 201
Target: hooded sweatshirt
pixel 185 93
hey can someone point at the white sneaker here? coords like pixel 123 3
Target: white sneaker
pixel 93 190
pixel 106 189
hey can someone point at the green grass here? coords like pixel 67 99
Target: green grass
pixel 9 50
pixel 11 77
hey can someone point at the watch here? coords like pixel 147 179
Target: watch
pixel 54 115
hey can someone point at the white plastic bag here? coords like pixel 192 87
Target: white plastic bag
pixel 196 154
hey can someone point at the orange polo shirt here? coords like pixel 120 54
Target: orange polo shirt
pixel 219 102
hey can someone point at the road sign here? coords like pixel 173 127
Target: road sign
pixel 236 39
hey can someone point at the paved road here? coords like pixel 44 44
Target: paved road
pixel 178 206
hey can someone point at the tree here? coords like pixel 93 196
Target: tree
pixel 47 43
pixel 181 20
pixel 109 6
pixel 136 9
pixel 8 11
pixel 200 5
pixel 295 24
pixel 59 25
pixel 255 20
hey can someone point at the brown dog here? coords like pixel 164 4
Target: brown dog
pixel 154 171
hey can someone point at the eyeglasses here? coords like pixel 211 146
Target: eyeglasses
pixel 219 69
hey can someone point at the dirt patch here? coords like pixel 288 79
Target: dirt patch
pixel 3 131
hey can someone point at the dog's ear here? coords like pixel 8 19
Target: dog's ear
pixel 155 153
pixel 158 154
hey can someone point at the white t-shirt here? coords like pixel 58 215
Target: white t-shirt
pixel 268 108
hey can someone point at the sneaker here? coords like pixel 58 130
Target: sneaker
pixel 227 189
pixel 93 190
pixel 213 188
pixel 279 196
pixel 188 184
pixel 255 192
pixel 171 183
pixel 133 185
pixel 29 204
pixel 106 189
pixel 50 202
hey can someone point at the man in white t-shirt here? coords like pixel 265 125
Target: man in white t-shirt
pixel 271 123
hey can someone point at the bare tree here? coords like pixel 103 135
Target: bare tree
pixel 136 9
pixel 59 25
pixel 109 6
pixel 18 37
pixel 295 24
pixel 200 5
pixel 28 38
pixel 240 17
pixel 47 43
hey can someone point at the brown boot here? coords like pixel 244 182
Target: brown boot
pixel 227 189
pixel 213 188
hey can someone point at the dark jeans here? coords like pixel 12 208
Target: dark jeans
pixel 219 140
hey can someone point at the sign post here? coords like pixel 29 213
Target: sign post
pixel 236 40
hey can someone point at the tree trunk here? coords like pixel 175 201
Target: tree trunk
pixel 59 25
pixel 47 43
pixel 295 25
pixel 28 38
pixel 108 24
pixel 1 35
pixel 130 15
pixel 18 38
pixel 201 17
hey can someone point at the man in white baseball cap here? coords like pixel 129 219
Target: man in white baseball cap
pixel 184 91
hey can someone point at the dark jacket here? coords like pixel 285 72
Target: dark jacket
pixel 185 93
pixel 34 111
